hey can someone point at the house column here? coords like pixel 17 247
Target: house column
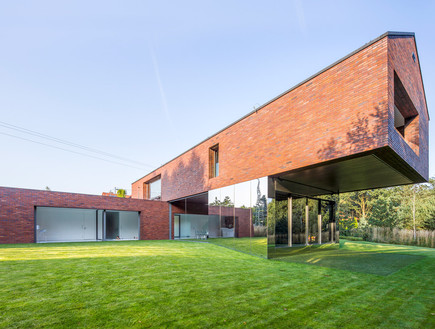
pixel 319 222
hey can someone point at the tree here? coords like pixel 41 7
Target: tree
pixel 385 208
pixel 425 213
pixel 225 203
pixel 260 211
pixel 356 206
pixel 121 193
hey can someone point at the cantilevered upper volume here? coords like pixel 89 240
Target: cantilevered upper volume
pixel 360 123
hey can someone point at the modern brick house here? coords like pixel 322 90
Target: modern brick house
pixel 360 123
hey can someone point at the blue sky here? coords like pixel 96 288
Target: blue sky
pixel 147 80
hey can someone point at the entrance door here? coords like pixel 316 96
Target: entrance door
pixel 176 226
pixel 112 225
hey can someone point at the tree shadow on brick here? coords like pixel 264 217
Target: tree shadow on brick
pixel 363 134
pixel 187 178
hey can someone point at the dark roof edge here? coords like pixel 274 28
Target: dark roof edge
pixel 388 33
pixel 421 78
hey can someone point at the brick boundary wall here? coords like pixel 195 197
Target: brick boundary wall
pixel 17 212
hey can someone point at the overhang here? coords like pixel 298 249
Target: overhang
pixel 369 170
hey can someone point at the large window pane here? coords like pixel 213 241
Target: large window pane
pixel 298 221
pixel 65 224
pixel 155 189
pixel 71 224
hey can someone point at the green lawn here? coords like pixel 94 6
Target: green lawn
pixel 255 246
pixel 142 284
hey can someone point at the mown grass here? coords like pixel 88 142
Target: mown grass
pixel 144 284
pixel 256 246
pixel 370 261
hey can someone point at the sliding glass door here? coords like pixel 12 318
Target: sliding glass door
pixel 73 224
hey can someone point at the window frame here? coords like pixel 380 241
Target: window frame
pixel 214 161
pixel 404 111
pixel 148 188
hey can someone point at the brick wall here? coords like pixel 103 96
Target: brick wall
pixel 17 206
pixel 400 60
pixel 344 110
pixel 330 116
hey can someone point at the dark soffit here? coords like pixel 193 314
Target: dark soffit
pixel 350 174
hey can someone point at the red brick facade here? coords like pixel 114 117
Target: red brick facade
pixel 17 212
pixel 343 111
pixel 400 60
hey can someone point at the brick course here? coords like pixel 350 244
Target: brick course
pixel 17 207
pixel 400 60
pixel 340 112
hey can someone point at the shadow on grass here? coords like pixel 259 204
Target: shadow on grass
pixel 370 262
pixel 255 246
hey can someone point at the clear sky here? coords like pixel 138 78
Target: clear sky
pixel 146 80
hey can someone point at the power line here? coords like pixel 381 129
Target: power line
pixel 60 148
pixel 62 141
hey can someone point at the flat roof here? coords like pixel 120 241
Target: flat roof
pixel 388 33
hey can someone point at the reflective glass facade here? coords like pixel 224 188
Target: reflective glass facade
pixel 255 217
pixel 234 217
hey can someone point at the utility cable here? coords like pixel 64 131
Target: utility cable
pixel 61 141
pixel 60 148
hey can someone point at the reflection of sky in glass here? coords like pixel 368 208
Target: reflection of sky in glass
pixel 243 194
pixel 214 195
pixel 227 192
pixel 155 189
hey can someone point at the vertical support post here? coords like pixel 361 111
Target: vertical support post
pixel 306 222
pixel 35 226
pixel 170 222
pixel 104 225
pixel 290 220
pixel 96 225
pixel 319 222
pixel 138 225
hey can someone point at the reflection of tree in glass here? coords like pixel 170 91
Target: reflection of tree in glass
pixel 298 221
pixel 225 203
pixel 260 208
pixel 278 217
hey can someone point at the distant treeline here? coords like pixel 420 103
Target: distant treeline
pixel 400 208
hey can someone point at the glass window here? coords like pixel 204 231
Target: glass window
pixel 406 119
pixel 399 121
pixel 214 161
pixel 74 224
pixel 155 189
